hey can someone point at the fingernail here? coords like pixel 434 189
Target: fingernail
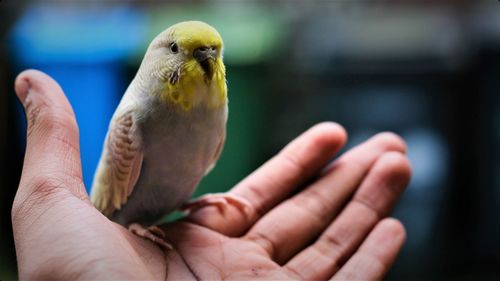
pixel 23 88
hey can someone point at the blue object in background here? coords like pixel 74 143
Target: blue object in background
pixel 84 49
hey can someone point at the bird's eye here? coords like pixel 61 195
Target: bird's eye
pixel 174 48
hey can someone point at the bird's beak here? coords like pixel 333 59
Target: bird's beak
pixel 206 57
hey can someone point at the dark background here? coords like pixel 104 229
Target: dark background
pixel 428 70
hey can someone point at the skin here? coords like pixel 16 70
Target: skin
pixel 310 220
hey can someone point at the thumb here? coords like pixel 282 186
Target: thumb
pixel 52 160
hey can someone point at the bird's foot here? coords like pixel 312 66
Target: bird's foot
pixel 153 233
pixel 220 200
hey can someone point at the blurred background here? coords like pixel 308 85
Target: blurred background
pixel 426 70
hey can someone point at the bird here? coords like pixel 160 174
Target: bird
pixel 167 133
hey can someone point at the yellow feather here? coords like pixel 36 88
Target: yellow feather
pixel 193 34
pixel 193 89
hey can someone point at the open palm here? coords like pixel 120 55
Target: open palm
pixel 310 219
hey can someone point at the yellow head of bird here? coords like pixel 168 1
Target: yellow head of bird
pixel 187 58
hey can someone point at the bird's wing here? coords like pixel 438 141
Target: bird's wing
pixel 120 164
pixel 217 154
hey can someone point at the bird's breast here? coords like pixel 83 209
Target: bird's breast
pixel 178 149
pixel 182 142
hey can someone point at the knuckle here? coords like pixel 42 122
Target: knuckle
pixel 332 247
pixel 293 162
pixel 369 204
pixel 40 190
pixel 315 204
pixel 263 241
pixel 397 166
pixel 258 193
pixel 46 186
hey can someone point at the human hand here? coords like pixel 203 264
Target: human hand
pixel 309 220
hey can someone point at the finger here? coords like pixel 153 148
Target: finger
pixel 373 200
pixel 52 158
pixel 276 179
pixel 291 226
pixel 377 253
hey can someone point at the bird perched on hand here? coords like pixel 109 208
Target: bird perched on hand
pixel 167 132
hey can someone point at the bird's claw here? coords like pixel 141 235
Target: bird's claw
pixel 153 233
pixel 219 200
